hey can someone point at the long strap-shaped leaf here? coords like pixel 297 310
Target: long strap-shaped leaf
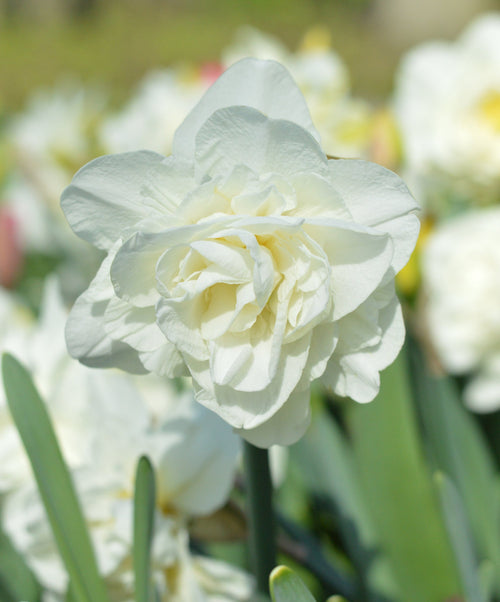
pixel 54 482
pixel 17 582
pixel 460 537
pixel 144 508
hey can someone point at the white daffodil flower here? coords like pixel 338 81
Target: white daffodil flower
pixel 447 104
pixel 246 258
pixel 461 279
pixel 194 453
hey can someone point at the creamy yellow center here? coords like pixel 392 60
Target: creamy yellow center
pixel 489 109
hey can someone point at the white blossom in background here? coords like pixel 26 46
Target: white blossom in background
pixel 342 121
pixel 194 454
pixel 246 259
pixel 111 402
pixel 54 136
pixel 38 230
pixel 104 421
pixel 48 141
pixel 447 103
pixel 251 42
pixel 461 283
pixel 36 226
pixel 150 118
pixel 41 347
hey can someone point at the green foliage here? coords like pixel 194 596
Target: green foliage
pixel 16 580
pixel 54 482
pixel 408 482
pixel 460 537
pixel 406 539
pixel 144 509
pixel 327 464
pixel 99 51
pixel 286 586
pixel 399 491
pixel 456 447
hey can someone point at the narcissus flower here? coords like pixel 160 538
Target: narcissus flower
pixel 246 258
pixel 447 104
pixel 461 278
pixel 194 454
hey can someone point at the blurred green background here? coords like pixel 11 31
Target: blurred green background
pixel 115 42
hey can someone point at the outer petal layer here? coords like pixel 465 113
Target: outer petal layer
pixel 272 92
pixel 106 197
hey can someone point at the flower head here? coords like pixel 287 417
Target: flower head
pixel 194 454
pixel 461 279
pixel 448 107
pixel 246 258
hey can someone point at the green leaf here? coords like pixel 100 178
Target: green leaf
pixel 286 586
pixel 486 572
pixel 54 482
pixel 327 464
pixel 456 447
pixel 17 582
pixel 399 491
pixel 144 510
pixel 460 538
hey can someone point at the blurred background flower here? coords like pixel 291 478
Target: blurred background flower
pixel 447 103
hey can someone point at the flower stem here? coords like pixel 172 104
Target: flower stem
pixel 262 540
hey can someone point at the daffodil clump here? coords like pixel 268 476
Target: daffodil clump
pixel 250 251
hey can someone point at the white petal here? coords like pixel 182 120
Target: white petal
pixel 135 326
pixel 179 320
pixel 199 481
pixel 231 358
pixel 356 375
pixel 323 342
pixel 165 361
pixel 86 337
pixel 167 184
pixel 219 312
pixel 248 409
pixel 105 197
pixel 379 198
pixel 264 85
pixel 243 136
pixel 133 271
pixel 286 427
pixel 360 258
pixel 316 197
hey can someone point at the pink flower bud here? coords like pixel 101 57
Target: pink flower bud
pixel 10 249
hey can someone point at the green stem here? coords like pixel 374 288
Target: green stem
pixel 262 539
